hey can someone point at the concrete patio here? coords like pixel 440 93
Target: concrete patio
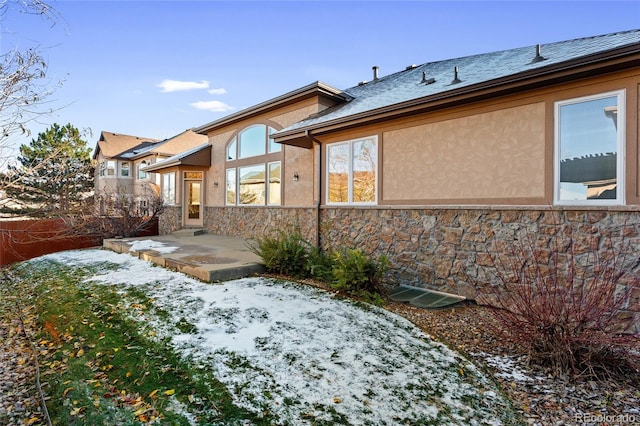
pixel 207 257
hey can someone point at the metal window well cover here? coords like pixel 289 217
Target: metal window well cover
pixel 425 298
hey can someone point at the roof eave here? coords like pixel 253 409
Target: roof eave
pixel 315 89
pixel 609 61
pixel 182 159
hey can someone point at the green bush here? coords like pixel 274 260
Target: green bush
pixel 320 265
pixel 356 273
pixel 350 270
pixel 285 253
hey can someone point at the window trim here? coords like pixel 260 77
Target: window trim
pixel 620 145
pixel 350 201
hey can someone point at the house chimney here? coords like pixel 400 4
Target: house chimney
pixel 375 73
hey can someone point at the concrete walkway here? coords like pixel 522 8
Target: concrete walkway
pixel 209 258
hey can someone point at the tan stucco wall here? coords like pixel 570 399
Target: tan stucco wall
pixel 492 155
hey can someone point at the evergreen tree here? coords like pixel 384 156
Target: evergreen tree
pixel 54 175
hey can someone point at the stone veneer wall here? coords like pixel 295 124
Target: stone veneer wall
pixel 170 220
pixel 449 249
pixel 252 222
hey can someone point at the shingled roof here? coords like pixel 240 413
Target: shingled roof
pixel 113 145
pixel 435 81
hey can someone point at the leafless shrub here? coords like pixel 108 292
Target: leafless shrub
pixel 564 298
pixel 120 214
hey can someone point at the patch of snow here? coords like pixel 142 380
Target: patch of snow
pixel 301 354
pixel 507 367
pixel 158 246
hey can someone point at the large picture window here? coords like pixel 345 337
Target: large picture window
pixel 169 188
pixel 589 150
pixel 253 168
pixel 352 172
pixel 257 184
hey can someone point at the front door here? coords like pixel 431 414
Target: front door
pixel 193 202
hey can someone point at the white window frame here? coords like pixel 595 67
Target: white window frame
pixel 350 201
pixel 169 188
pixel 620 145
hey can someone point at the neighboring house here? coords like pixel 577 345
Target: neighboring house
pixel 121 159
pixel 428 165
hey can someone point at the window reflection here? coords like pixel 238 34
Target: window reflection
pixel 589 150
pixel 252 185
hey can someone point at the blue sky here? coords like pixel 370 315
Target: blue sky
pixel 156 68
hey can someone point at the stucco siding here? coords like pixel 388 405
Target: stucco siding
pixel 493 155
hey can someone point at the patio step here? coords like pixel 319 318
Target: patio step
pixel 189 232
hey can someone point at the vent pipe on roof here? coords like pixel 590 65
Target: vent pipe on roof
pixel 539 56
pixel 455 80
pixel 426 80
pixel 375 69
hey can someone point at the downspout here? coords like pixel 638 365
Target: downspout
pixel 314 141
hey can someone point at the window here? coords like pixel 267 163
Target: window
pixel 273 145
pixel 103 168
pixel 589 150
pixel 124 169
pixel 231 150
pixel 231 187
pixel 274 183
pixel 256 181
pixel 252 187
pixel 111 168
pixel 352 172
pixel 169 188
pixel 252 142
pixel 142 174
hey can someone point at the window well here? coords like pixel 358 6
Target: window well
pixel 425 298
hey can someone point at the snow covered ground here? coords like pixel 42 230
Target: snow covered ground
pixel 303 354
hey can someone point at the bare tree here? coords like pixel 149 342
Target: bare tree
pixel 24 86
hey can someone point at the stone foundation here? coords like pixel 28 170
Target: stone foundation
pixel 170 220
pixel 458 250
pixel 253 222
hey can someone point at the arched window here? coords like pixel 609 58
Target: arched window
pixel 253 167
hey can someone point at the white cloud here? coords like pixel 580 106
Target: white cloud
pixel 177 86
pixel 220 91
pixel 213 106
